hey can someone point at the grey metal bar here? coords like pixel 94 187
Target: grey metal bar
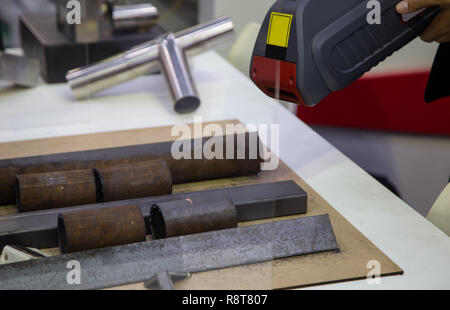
pixel 165 280
pixel 178 75
pixel 39 229
pixel 137 262
pixel 19 70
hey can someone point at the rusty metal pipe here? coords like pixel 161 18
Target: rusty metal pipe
pixel 41 191
pixel 244 159
pixel 135 180
pixel 94 229
pixel 253 202
pixel 70 188
pixel 185 217
pixel 183 170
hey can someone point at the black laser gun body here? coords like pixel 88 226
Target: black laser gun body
pixel 307 49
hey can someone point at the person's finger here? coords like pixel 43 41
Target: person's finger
pixel 409 6
pixel 440 26
pixel 444 39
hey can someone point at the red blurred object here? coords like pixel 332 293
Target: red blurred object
pixel 264 71
pixel 391 102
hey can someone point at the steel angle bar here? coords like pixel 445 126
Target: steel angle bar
pixel 39 229
pixel 138 262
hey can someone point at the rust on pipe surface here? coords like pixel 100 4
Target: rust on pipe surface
pixel 185 217
pixel 70 188
pixel 42 191
pixel 240 156
pixel 183 170
pixel 94 229
pixel 135 180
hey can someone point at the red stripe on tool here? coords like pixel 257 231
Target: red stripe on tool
pixel 393 102
pixel 264 71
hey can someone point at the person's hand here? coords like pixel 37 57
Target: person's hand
pixel 439 29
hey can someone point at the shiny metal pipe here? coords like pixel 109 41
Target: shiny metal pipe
pixel 144 58
pixel 134 15
pixel 178 75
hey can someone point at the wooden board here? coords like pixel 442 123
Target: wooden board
pixel 349 264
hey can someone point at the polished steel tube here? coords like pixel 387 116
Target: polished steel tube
pixel 178 76
pixel 144 58
pixel 134 15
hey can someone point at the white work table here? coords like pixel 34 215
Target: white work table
pixel 416 245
